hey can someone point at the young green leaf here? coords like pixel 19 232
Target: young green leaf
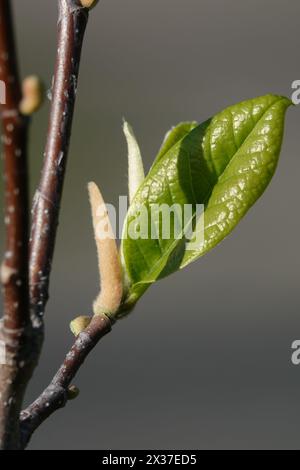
pixel 136 174
pixel 226 164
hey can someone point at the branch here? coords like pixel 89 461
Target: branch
pixel 88 331
pixel 71 28
pixel 14 269
pixel 56 395
pixel 14 138
pixel 73 16
pixel 21 332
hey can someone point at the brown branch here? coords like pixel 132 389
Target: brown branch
pixel 14 139
pixel 14 269
pixel 88 331
pixel 71 27
pixel 23 338
pixel 72 23
pixel 56 395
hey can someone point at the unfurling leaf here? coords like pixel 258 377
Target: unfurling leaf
pixel 136 174
pixel 225 164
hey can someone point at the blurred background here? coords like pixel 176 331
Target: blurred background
pixel 204 362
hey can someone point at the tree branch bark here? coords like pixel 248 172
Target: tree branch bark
pixel 72 23
pixel 71 28
pixel 56 395
pixel 22 326
pixel 108 303
pixel 14 329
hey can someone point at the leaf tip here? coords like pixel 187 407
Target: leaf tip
pixel 136 173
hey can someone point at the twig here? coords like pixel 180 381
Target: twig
pixel 23 338
pixel 71 27
pixel 88 331
pixel 56 394
pixel 14 140
pixel 14 270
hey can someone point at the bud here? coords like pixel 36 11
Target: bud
pixel 79 324
pixel 89 3
pixel 33 94
pixel 110 270
pixel 73 392
pixel 6 274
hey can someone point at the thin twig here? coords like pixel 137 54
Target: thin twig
pixel 56 395
pixel 88 331
pixel 71 27
pixel 14 269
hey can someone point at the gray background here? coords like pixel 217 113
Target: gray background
pixel 204 362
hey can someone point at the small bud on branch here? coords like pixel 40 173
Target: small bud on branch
pixel 33 92
pixel 6 274
pixel 89 3
pixel 72 392
pixel 79 324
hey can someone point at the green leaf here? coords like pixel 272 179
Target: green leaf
pixel 225 163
